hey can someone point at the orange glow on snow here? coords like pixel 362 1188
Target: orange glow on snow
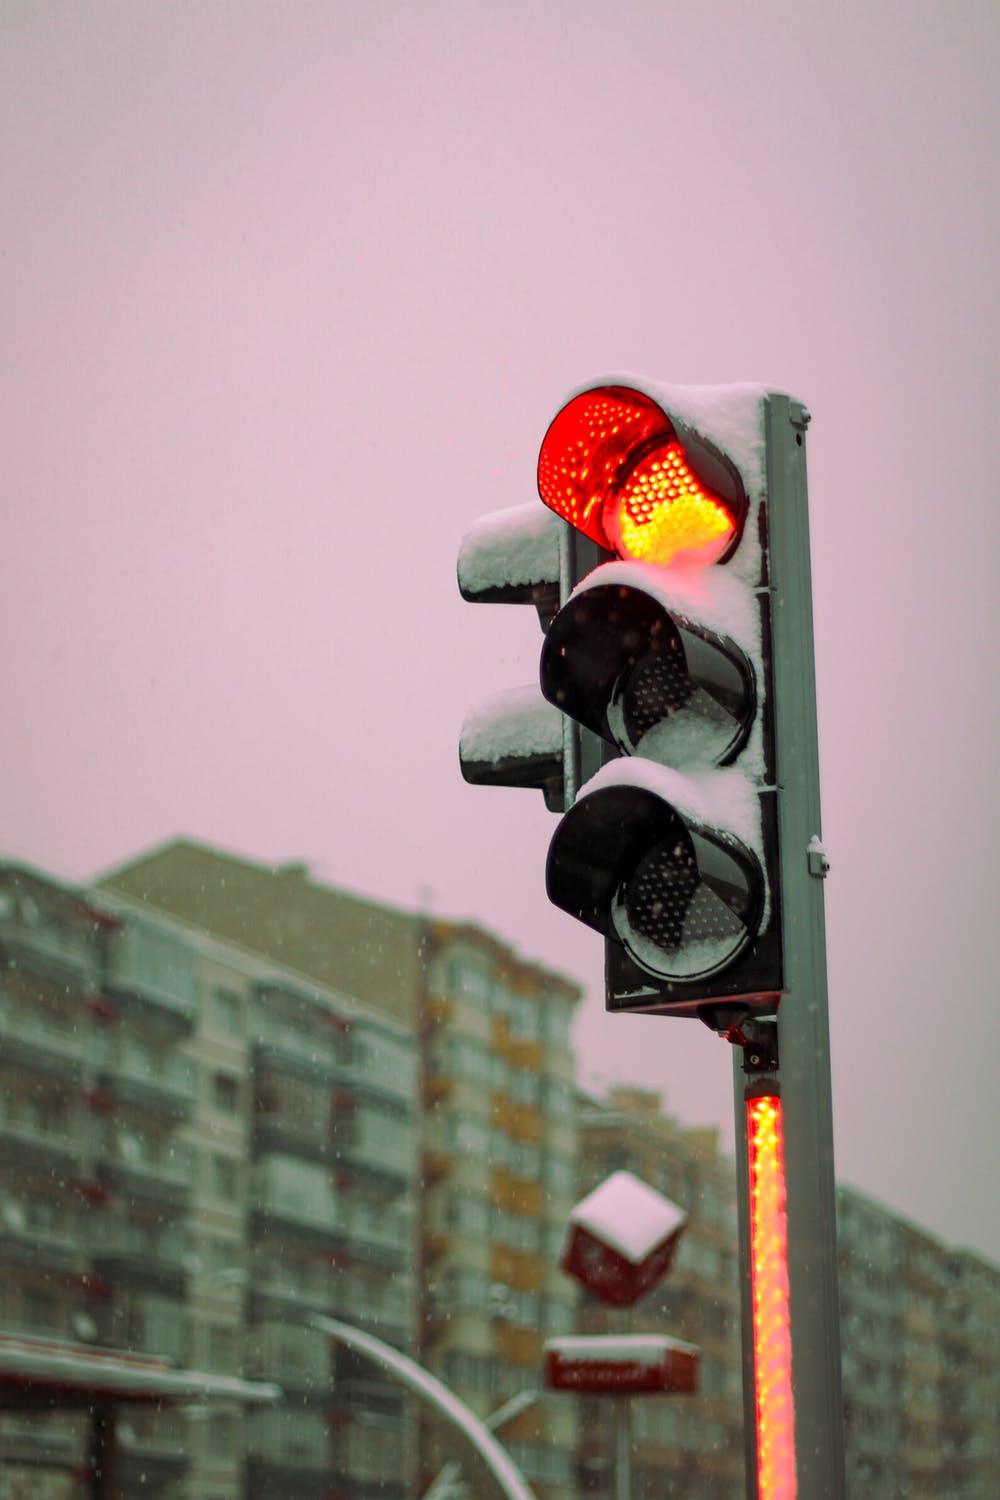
pixel 772 1340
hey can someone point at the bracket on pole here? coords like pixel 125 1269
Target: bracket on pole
pixel 758 1037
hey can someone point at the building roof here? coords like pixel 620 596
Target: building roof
pixel 343 942
pixel 367 949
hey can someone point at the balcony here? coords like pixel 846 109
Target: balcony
pixel 304 1054
pixel 358 1394
pixel 57 1152
pixel 152 1449
pixel 156 975
pixel 297 1357
pixel 275 1292
pixel 371 1240
pixel 306 1206
pixel 29 1040
pixel 302 1475
pixel 45 1439
pixel 57 1248
pixel 159 1084
pixel 164 1180
pixel 140 1255
pixel 52 950
pixel 272 1133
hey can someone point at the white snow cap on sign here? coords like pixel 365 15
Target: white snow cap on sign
pixel 636 1348
pixel 517 721
pixel 709 596
pixel 724 800
pixel 628 1216
pixel 508 547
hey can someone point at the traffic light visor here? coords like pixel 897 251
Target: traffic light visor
pixel 627 475
pixel 682 899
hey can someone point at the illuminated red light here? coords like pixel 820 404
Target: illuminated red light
pixel 611 464
pixel 772 1342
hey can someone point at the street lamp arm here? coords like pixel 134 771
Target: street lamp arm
pixel 437 1395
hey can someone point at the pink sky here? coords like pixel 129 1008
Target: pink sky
pixel 290 295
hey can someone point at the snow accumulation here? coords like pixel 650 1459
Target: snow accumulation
pixel 628 1216
pixel 508 547
pixel 725 800
pixel 636 1348
pixel 728 415
pixel 517 721
pixel 708 596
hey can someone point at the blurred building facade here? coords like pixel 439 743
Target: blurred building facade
pixel 498 1141
pixel 199 1150
pixel 920 1329
pixel 231 1097
pixel 684 1446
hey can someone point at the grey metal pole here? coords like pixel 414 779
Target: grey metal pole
pixel 623 1448
pixel 803 1028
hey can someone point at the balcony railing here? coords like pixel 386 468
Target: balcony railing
pixel 165 1083
pixel 316 1053
pixel 152 1258
pixel 46 945
pixel 26 1143
pixel 29 1032
pixel 326 1218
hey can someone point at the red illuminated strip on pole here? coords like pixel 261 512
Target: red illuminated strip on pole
pixel 772 1340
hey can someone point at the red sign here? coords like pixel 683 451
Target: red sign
pixel 629 1365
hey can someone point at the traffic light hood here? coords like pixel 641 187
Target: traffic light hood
pixel 622 659
pixel 655 861
pixel 631 471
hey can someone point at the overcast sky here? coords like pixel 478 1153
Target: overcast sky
pixel 291 291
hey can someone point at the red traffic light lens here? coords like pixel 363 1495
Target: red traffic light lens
pixel 613 466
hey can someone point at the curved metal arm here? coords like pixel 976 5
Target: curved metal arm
pixel 436 1394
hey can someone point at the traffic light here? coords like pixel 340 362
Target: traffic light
pixel 671 850
pixel 655 590
pixel 680 660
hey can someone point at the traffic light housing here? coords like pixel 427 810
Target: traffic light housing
pixel 660 659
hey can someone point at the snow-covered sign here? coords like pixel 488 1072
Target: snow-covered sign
pixel 632 1364
pixel 622 1239
pixel 512 557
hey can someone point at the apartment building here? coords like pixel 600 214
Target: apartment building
pixel 498 1140
pixel 500 1174
pixel 920 1326
pixel 200 1150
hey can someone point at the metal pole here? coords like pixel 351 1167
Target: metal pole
pixel 623 1448
pixel 803 1029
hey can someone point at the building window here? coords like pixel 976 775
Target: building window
pixel 225 1178
pixel 41 1309
pixel 225 1093
pixel 221 1349
pixel 227 1012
